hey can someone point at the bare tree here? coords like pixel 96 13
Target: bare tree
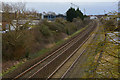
pixel 14 41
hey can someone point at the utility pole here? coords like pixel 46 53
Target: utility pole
pixel 104 12
pixel 119 13
pixel 84 11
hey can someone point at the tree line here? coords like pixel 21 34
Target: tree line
pixel 72 13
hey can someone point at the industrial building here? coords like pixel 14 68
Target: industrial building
pixel 51 16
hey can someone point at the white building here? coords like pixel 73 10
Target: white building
pixel 93 17
pixel 107 18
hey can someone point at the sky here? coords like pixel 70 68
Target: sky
pixel 89 7
pixel 60 0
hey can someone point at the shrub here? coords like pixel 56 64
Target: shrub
pixel 13 44
pixel 45 30
pixel 70 28
pixel 110 25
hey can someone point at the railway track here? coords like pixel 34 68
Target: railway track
pixel 73 64
pixel 50 64
pixel 76 60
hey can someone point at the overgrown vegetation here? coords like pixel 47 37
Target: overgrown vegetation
pixel 104 62
pixel 108 62
pixel 110 22
pixel 19 44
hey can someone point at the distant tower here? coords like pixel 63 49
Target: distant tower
pixel 84 11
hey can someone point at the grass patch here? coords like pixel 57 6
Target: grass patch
pixel 78 32
pixel 32 26
pixel 45 50
pixel 11 69
pixel 41 52
pixel 59 42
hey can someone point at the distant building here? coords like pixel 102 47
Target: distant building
pixel 51 16
pixel 107 18
pixel 35 22
pixel 100 16
pixel 6 18
pixel 35 16
pixel 96 16
pixel 12 16
pixel 61 16
pixel 93 17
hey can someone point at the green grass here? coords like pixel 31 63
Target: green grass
pixel 41 52
pixel 11 69
pixel 45 50
pixel 77 32
pixel 59 42
pixel 32 26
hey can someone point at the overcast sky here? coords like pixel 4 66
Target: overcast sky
pixel 92 7
pixel 60 0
